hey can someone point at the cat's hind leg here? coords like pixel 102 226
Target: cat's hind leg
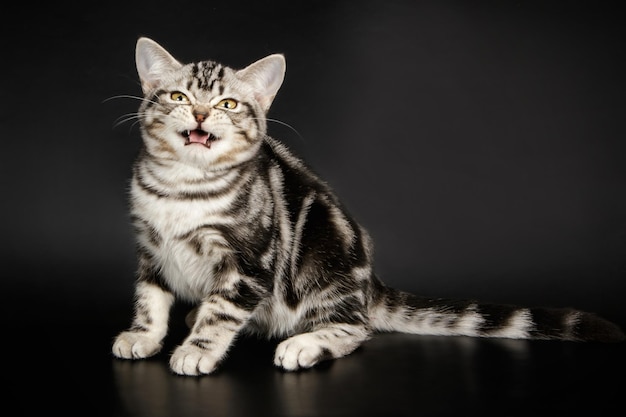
pixel 144 337
pixel 331 342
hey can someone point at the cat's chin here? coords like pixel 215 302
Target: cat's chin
pixel 205 145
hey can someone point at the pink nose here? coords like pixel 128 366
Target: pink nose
pixel 200 116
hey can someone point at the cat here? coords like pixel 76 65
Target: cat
pixel 229 220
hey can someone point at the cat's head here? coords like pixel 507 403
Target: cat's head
pixel 204 113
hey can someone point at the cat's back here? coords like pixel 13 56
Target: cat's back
pixel 292 174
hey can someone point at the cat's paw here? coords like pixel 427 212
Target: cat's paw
pixel 132 345
pixel 300 351
pixel 193 360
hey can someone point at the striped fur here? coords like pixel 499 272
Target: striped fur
pixel 229 220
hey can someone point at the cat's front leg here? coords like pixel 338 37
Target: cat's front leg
pixel 144 337
pixel 218 320
pixel 308 349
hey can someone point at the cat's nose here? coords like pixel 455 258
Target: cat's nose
pixel 200 115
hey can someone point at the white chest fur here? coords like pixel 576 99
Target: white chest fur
pixel 188 271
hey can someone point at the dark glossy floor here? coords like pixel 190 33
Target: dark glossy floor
pixel 392 375
pixel 62 364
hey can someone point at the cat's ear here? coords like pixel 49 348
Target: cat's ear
pixel 266 76
pixel 153 62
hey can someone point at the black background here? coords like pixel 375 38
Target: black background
pixel 481 143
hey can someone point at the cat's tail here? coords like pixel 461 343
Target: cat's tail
pixel 399 311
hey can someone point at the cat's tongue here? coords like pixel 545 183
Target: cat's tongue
pixel 198 136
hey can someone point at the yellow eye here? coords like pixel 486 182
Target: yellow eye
pixel 228 104
pixel 178 96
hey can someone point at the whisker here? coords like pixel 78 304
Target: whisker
pixel 281 123
pixel 127 117
pixel 129 96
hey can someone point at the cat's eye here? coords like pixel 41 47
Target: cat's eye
pixel 178 96
pixel 228 104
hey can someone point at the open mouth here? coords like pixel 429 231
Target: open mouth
pixel 199 136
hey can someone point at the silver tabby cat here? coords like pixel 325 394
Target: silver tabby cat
pixel 229 220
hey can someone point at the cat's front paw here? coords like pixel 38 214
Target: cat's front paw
pixel 300 351
pixel 189 359
pixel 132 345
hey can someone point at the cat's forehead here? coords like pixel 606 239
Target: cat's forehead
pixel 207 77
pixel 207 69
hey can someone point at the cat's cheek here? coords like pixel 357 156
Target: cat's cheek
pixel 231 155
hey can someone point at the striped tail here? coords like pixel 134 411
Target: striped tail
pixel 400 311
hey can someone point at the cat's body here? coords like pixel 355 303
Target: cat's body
pixel 229 220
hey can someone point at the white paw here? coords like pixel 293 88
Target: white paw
pixel 131 345
pixel 301 351
pixel 192 360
